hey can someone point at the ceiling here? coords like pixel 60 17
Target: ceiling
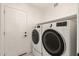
pixel 42 5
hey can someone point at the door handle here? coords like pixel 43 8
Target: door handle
pixel 25 35
pixel 25 32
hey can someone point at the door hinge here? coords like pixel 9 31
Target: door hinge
pixel 4 11
pixel 4 54
pixel 4 33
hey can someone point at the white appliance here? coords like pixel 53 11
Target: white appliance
pixel 36 40
pixel 59 38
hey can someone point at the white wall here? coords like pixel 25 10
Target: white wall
pixel 33 14
pixel 60 11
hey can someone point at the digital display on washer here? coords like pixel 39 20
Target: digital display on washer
pixel 61 24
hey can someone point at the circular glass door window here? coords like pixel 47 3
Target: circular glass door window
pixel 53 42
pixel 35 36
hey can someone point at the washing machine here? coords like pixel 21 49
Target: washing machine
pixel 36 40
pixel 59 38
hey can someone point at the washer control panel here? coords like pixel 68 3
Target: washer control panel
pixel 61 24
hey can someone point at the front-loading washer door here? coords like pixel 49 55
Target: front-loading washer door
pixel 35 36
pixel 53 42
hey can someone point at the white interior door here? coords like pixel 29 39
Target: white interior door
pixel 15 27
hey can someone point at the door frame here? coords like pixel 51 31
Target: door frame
pixel 2 22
